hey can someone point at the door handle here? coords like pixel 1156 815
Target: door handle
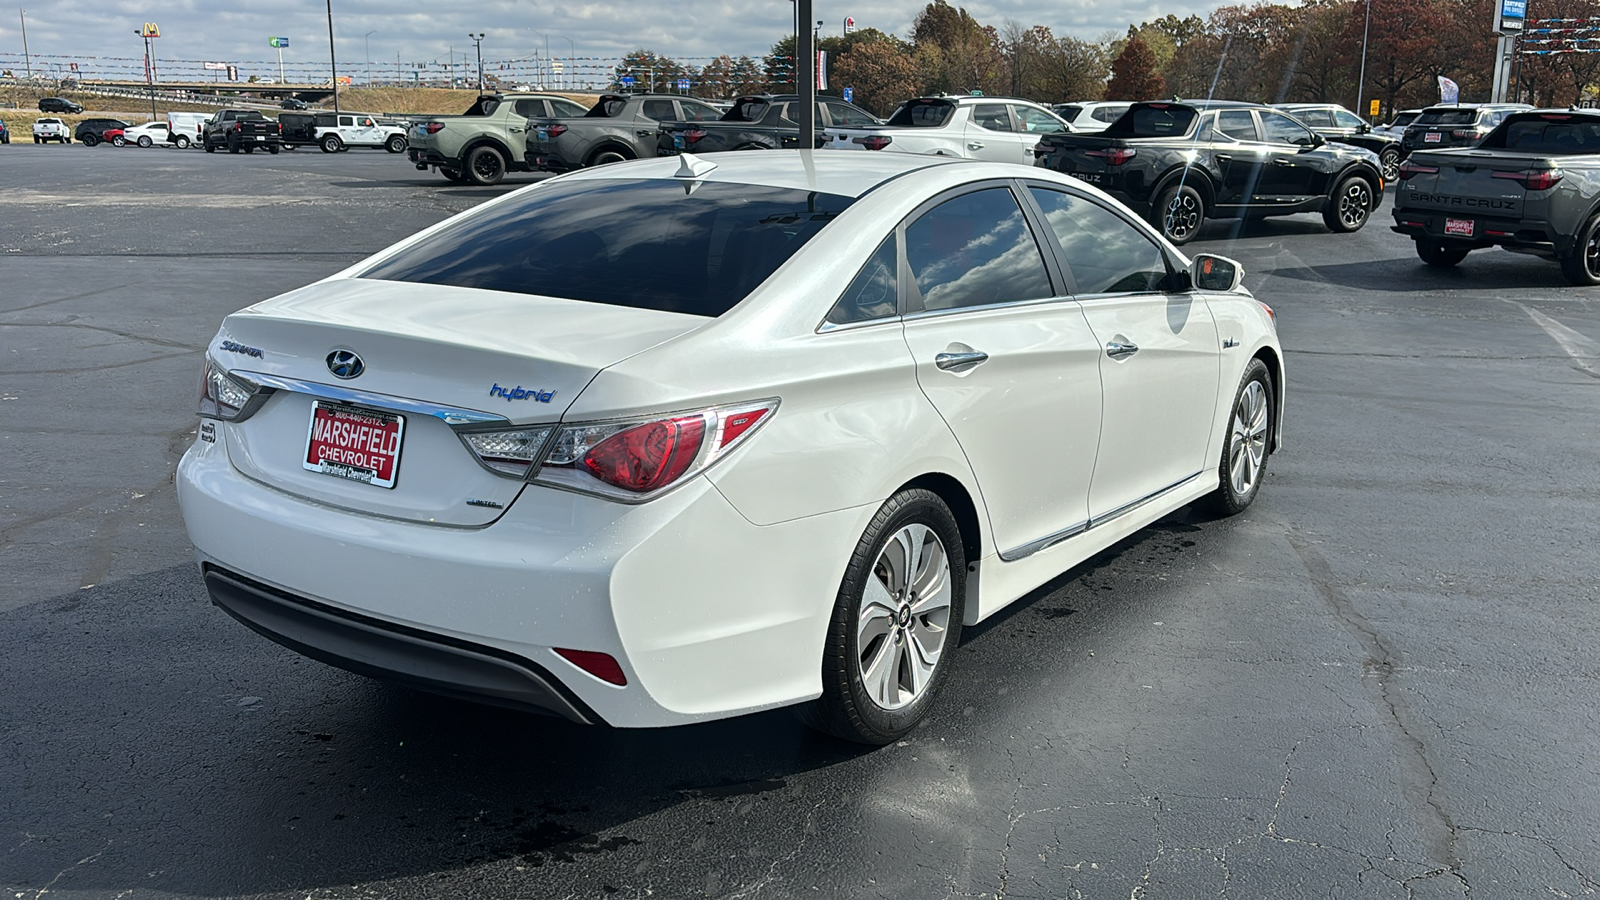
pixel 644 133
pixel 1223 157
pixel 514 130
pixel 960 362
pixel 1121 350
pixel 1280 161
pixel 974 145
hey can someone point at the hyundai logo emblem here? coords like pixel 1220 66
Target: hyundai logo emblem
pixel 345 364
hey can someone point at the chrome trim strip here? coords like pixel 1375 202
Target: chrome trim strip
pixel 450 415
pixel 1071 531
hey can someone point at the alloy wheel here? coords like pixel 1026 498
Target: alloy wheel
pixel 1591 253
pixel 1183 216
pixel 1355 204
pixel 1247 441
pixel 904 617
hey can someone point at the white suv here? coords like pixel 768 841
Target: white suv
pixel 1089 116
pixel 996 129
pixel 359 131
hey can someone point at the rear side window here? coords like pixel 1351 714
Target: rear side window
pixel 566 108
pixel 1448 117
pixel 1316 118
pixel 606 108
pixel 659 110
pixel 1403 120
pixel 638 243
pixel 1068 112
pixel 530 106
pixel 1105 253
pixel 991 117
pixel 975 250
pixel 1237 124
pixel 1153 120
pixel 1552 134
pixel 483 107
pixel 873 294
pixel 1345 119
pixel 923 114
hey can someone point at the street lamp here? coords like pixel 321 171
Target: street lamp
pixel 1361 80
pixel 149 66
pixel 368 39
pixel 333 62
pixel 477 39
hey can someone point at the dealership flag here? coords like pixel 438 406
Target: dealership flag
pixel 1449 91
pixel 822 70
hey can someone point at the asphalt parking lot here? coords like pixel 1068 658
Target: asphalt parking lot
pixel 1376 682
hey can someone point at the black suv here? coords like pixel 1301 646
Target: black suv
pixel 1336 123
pixel 1181 163
pixel 92 131
pixel 58 105
pixel 1460 125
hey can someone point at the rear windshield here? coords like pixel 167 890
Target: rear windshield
pixel 1448 117
pixel 645 244
pixel 1068 112
pixel 483 107
pixel 1550 134
pixel 922 114
pixel 606 108
pixel 1152 120
pixel 1403 119
pixel 748 109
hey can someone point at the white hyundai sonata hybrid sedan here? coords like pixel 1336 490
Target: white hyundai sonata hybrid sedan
pixel 676 439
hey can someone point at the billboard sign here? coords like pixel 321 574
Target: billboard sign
pixel 215 67
pixel 1510 15
pixel 150 30
pixel 279 42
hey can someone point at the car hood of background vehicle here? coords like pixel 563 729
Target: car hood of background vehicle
pixel 446 345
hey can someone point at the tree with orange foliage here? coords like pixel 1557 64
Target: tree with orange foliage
pixel 1133 74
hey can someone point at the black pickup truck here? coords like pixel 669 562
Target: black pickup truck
pixel 240 129
pixel 1180 163
pixel 758 122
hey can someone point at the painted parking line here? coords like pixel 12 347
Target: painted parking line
pixel 1584 351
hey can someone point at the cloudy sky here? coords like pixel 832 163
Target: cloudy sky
pixel 686 29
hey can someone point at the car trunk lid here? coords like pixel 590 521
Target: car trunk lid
pixel 1469 183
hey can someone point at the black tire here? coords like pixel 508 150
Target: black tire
pixel 605 156
pixel 66 139
pixel 182 141
pixel 250 149
pixel 1248 441
pixel 485 166
pixel 453 175
pixel 331 143
pixel 847 707
pixel 89 140
pixel 210 148
pixel 273 149
pixel 1389 163
pixel 145 141
pixel 1179 213
pixel 1350 205
pixel 290 146
pixel 1435 253
pixel 395 144
pixel 36 140
pixel 1582 265
pixel 233 145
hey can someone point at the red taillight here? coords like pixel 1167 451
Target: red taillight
pixel 1270 314
pixel 557 130
pixel 1537 180
pixel 433 127
pixel 1411 170
pixel 1115 156
pixel 738 424
pixel 238 126
pixel 873 141
pixel 647 457
pixel 600 665
pixel 693 135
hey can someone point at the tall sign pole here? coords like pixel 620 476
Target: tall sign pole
pixel 148 31
pixel 333 62
pixel 1509 18
pixel 26 58
pixel 805 75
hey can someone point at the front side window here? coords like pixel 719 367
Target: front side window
pixel 991 117
pixel 1280 129
pixel 644 244
pixel 1237 124
pixel 1105 253
pixel 699 112
pixel 975 250
pixel 659 110
pixel 847 116
pixel 1346 119
pixel 566 108
pixel 873 293
pixel 528 107
pixel 1036 121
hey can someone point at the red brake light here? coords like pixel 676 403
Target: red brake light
pixel 1409 170
pixel 692 135
pixel 1538 180
pixel 433 127
pixel 738 424
pixel 1115 156
pixel 557 130
pixel 600 665
pixel 873 141
pixel 238 126
pixel 648 456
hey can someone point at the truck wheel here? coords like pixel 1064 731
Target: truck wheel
pixel 273 149
pixel 485 166
pixel 1349 206
pixel 36 139
pixel 1435 253
pixel 182 141
pixel 331 144
pixel 1389 162
pixel 453 175
pixel 1179 213
pixel 1582 264
pixel 395 144
pixel 605 156
pixel 250 149
pixel 90 140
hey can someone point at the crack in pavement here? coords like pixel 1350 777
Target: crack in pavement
pixel 1382 662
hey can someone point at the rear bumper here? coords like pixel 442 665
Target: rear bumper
pixel 1534 235
pixel 427 156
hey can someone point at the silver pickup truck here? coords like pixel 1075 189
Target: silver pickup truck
pixel 1531 186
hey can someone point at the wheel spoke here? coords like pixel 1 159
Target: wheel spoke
pixel 879 675
pixel 921 657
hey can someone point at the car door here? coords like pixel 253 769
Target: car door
pixel 1032 124
pixel 843 115
pixel 992 135
pixel 647 122
pixel 1239 154
pixel 1008 360
pixel 1297 167
pixel 1159 360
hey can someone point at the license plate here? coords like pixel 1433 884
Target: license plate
pixel 1432 137
pixel 677 141
pixel 1091 177
pixel 359 444
pixel 1462 227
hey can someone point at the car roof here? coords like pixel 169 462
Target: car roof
pixel 828 172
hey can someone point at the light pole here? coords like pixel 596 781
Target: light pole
pixel 368 39
pixel 1361 80
pixel 333 62
pixel 477 39
pixel 26 59
pixel 572 50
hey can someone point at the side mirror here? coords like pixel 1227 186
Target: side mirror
pixel 1364 129
pixel 1215 273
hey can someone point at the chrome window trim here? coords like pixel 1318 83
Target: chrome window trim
pixel 450 415
pixel 1050 540
pixel 1004 304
